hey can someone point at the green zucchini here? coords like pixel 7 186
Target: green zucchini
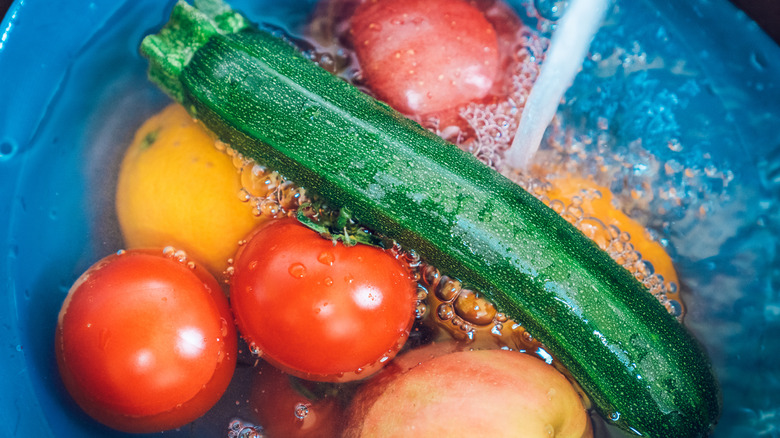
pixel 639 366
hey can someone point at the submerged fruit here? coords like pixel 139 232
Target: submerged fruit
pixel 145 342
pixel 593 210
pixel 492 393
pixel 424 56
pixel 320 310
pixel 176 189
pixel 288 407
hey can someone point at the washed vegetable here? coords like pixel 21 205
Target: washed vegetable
pixel 496 393
pixel 145 342
pixel 425 56
pixel 257 93
pixel 320 310
pixel 288 407
pixel 176 189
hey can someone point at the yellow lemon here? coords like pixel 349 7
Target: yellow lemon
pixel 176 189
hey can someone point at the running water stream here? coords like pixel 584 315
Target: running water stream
pixel 568 48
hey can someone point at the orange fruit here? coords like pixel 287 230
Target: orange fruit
pixel 592 209
pixel 177 189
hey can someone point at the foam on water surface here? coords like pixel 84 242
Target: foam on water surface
pixel 564 57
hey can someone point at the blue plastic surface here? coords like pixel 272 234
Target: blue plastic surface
pixel 73 90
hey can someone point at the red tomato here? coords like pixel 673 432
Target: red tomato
pixel 289 407
pixel 424 56
pixel 318 310
pixel 145 342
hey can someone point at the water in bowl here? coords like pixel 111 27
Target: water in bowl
pixel 672 111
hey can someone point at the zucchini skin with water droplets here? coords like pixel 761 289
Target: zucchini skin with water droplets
pixel 638 365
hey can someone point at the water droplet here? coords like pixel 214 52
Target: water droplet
pixel 312 112
pixel 328 281
pixel 297 270
pixel 326 258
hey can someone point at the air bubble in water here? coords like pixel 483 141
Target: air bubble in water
pixel 255 350
pixel 220 145
pixel 550 9
pixel 420 311
pixel 242 429
pixel 674 308
pixel 473 308
pixel 445 312
pixel 448 289
pixel 301 411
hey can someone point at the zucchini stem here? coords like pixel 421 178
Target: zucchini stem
pixel 189 28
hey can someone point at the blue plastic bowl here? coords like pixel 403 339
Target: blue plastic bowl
pixel 73 90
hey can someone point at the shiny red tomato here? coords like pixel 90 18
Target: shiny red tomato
pixel 293 408
pixel 425 56
pixel 319 310
pixel 145 342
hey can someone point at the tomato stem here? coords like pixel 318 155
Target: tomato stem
pixel 339 226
